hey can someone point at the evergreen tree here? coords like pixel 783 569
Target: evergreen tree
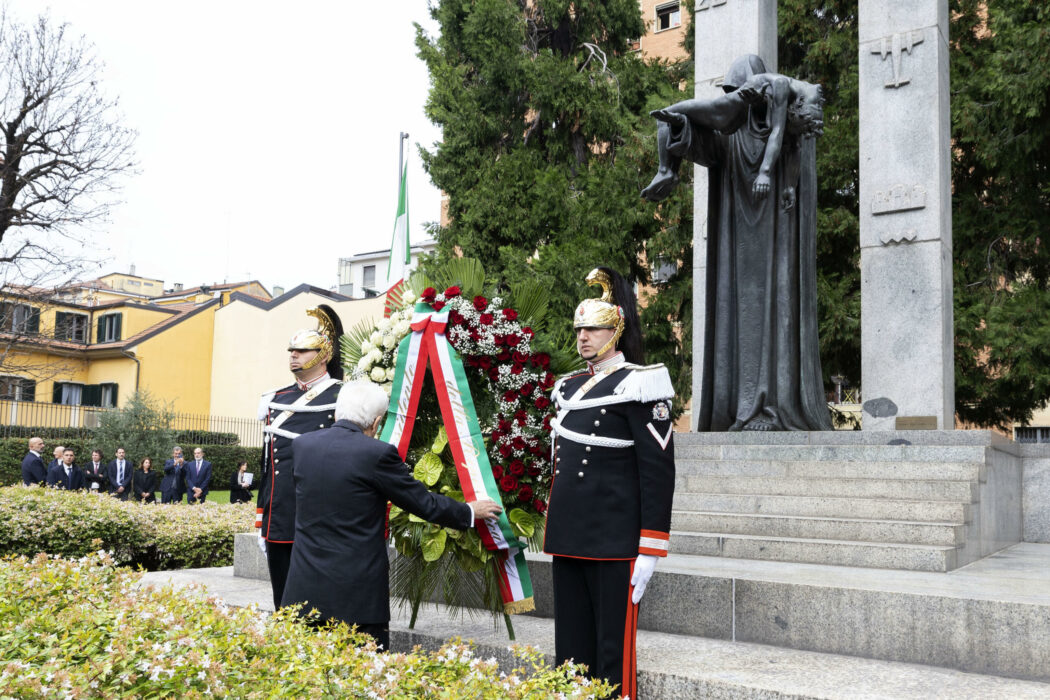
pixel 546 146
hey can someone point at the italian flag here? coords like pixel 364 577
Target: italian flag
pixel 397 266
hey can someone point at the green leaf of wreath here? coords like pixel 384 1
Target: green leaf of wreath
pixel 428 469
pixel 521 522
pixel 440 441
pixel 434 545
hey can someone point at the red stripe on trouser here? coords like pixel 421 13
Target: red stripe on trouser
pixel 628 684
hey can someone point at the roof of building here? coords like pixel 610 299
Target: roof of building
pixel 267 304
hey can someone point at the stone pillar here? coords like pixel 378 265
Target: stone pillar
pixel 725 30
pixel 907 368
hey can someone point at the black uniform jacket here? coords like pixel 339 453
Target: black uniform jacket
pixel 613 502
pixel 276 500
pixel 343 480
pixel 33 471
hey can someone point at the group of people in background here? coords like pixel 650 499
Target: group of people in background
pixel 121 479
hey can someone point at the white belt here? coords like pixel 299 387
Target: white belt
pixel 280 431
pixel 596 440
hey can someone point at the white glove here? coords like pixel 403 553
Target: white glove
pixel 262 543
pixel 644 567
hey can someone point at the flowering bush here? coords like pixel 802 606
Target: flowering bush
pixel 154 536
pixel 86 628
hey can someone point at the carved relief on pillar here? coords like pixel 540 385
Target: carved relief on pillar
pixel 894 47
pixel 898 198
pixel 708 4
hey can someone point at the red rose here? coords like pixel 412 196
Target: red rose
pixel 495 436
pixel 521 414
pixel 494 373
pixel 454 318
pixel 540 506
pixel 497 471
pixel 520 357
pixel 517 467
pixel 548 381
pixel 510 396
pixel 480 302
pixel 508 483
pixel 452 291
pixel 541 360
pixel 428 294
pixel 438 305
pixel 485 319
pixel 474 335
pixel 485 362
pixel 510 314
pixel 498 339
pixel 526 389
pixel 505 450
pixel 528 331
pixel 513 339
pixel 547 421
pixel 503 356
pixel 520 421
pixel 533 471
pixel 503 424
pixel 516 369
pixel 542 402
pixel 525 494
pixel 536 450
pixel 519 443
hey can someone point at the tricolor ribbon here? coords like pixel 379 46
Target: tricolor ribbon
pixel 427 344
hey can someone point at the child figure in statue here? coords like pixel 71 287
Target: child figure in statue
pixel 793 106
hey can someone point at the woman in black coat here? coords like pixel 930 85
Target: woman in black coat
pixel 240 487
pixel 144 482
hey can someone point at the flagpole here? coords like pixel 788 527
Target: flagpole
pixel 401 156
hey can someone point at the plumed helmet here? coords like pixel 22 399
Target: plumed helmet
pixel 323 339
pixel 615 308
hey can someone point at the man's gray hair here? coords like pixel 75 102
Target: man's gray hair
pixel 361 402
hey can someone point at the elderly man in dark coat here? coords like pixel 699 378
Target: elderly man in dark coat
pixel 33 471
pixel 343 480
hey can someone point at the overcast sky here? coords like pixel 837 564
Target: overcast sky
pixel 268 132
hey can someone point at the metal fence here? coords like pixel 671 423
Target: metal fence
pixel 27 418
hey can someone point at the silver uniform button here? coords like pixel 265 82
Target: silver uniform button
pixel 276 473
pixel 597 423
pixel 329 416
pixel 558 459
pixel 603 411
pixel 275 460
pixel 581 475
pixel 557 471
pixel 321 426
pixel 588 448
pixel 583 462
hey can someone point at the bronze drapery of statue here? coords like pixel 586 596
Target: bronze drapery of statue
pixel 761 356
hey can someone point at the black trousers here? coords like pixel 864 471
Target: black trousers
pixel 595 622
pixel 278 559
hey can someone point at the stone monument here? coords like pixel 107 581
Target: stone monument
pixel 907 368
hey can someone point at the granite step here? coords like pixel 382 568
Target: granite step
pixel 834 453
pixel 836 469
pixel 975 438
pixel 822 528
pixel 874 555
pixel 670 666
pixel 897 489
pixel 825 506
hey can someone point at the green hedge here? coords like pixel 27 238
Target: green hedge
pixel 153 536
pixel 224 458
pixel 88 629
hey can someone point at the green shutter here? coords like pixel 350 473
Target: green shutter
pixel 28 390
pixel 33 323
pixel 56 392
pixel 98 329
pixel 91 395
pixel 116 330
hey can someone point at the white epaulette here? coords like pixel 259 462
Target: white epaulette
pixel 646 383
pixel 264 404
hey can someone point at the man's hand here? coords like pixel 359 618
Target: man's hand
pixel 196 492
pixel 644 567
pixel 486 510
pixel 761 186
pixel 120 489
pixel 262 543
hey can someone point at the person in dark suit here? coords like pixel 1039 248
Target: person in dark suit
pixel 33 471
pixel 240 492
pixel 144 482
pixel 119 472
pixel 198 476
pixel 343 480
pixel 57 452
pixel 173 485
pixel 66 475
pixel 95 473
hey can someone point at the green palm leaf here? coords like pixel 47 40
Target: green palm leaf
pixel 529 299
pixel 465 273
pixel 350 342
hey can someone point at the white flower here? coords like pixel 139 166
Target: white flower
pixel 375 355
pixel 375 338
pixel 390 374
pixel 389 342
pixel 402 328
pixel 378 375
pixel 365 362
pixel 384 324
pixel 409 297
pixel 366 347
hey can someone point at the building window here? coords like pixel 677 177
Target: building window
pixel 369 281
pixel 663 270
pixel 19 318
pixel 17 388
pixel 1032 434
pixel 71 327
pixel 108 329
pixel 668 16
pixel 101 395
pixel 67 393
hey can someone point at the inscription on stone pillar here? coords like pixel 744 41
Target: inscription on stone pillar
pixel 708 4
pixel 898 198
pixel 895 46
